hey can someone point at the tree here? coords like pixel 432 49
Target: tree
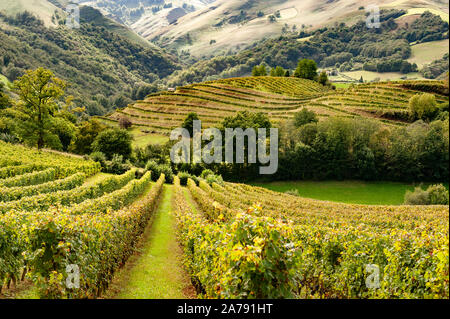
pixel 243 120
pixel 278 71
pixel 323 78
pixel 39 92
pixel 304 117
pixel 306 69
pixel 188 123
pixel 422 107
pixel 259 70
pixel 113 141
pixel 65 130
pixel 125 123
pixel 85 136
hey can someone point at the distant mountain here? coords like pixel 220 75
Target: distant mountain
pixel 340 48
pixel 53 13
pixel 103 62
pixel 163 12
pixel 226 26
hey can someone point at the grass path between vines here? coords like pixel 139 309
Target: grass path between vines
pixel 155 270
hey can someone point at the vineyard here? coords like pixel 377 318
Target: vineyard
pixel 280 98
pixel 238 241
pixel 51 218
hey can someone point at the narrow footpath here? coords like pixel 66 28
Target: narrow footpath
pixel 155 270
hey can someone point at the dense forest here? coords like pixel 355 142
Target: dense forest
pixel 342 47
pixel 106 70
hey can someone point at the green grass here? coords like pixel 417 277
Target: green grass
pixel 42 8
pixel 444 16
pixel 342 85
pixel 424 53
pixel 142 139
pixel 156 273
pixel 353 192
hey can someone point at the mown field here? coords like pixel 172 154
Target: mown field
pixel 280 98
pixel 238 241
pixel 351 192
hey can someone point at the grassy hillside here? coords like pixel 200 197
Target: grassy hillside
pixel 235 24
pixel 342 48
pixel 42 8
pixel 280 98
pixel 423 53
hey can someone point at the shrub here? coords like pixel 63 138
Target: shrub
pixel 116 165
pixel 212 178
pixel 158 169
pixel 433 195
pixel 417 197
pixel 438 195
pixel 9 138
pixel 184 176
pixel 304 116
pixel 422 107
pixel 98 157
pixel 125 123
pixel 293 192
pixel 113 141
pixel 206 172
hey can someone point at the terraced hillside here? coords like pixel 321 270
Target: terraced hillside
pixel 51 212
pixel 332 244
pixel 280 98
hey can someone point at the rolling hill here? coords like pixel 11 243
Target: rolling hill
pixel 234 24
pixel 52 13
pixel 44 9
pixel 280 98
pixel 101 60
pixel 215 27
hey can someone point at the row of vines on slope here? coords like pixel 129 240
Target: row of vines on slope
pixel 253 253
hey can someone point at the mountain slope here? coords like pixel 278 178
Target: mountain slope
pixel 340 47
pixel 44 9
pixel 52 13
pixel 102 67
pixel 234 24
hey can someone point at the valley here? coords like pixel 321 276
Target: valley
pixel 343 194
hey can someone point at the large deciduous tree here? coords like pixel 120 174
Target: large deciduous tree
pixel 306 69
pixel 40 94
